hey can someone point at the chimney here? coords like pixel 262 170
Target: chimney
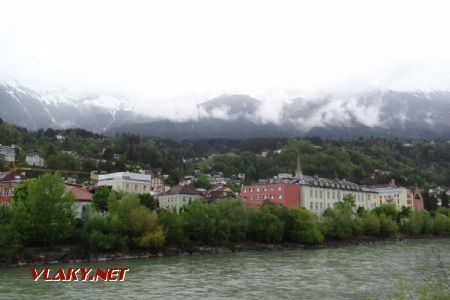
pixel 392 183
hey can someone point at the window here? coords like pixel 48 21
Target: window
pixel 311 205
pixel 316 194
pixel 317 206
pixel 127 186
pixel 145 187
pixel 320 194
pixel 311 193
pixel 280 196
pixel 334 195
pixel 328 194
pixel 279 188
pixel 135 187
pixel 320 205
pixel 257 189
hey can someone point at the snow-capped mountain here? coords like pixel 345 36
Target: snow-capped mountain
pixel 33 109
pixel 373 113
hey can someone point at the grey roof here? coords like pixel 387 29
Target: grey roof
pixel 6 150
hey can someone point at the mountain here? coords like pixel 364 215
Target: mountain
pixel 415 114
pixel 376 113
pixel 35 109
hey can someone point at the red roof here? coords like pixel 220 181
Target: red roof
pixel 81 194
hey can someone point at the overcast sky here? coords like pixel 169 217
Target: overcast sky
pixel 170 48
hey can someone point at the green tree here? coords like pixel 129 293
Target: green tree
pixel 10 240
pixel 236 215
pixel 148 201
pixel 441 225
pixel 202 182
pixel 388 227
pixel 44 217
pixel 301 226
pixel 173 224
pixel 264 226
pixel 203 224
pixel 100 198
pixel 63 161
pixel 371 224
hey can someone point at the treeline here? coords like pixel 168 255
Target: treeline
pixel 42 216
pixel 410 162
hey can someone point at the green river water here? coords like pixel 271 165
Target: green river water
pixel 335 273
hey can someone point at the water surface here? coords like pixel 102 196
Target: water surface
pixel 337 273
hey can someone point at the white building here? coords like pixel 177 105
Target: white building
pixel 7 153
pixel 317 194
pixel 34 159
pixel 127 182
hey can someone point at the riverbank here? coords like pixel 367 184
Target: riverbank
pixel 71 254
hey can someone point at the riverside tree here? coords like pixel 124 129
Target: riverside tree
pixel 43 211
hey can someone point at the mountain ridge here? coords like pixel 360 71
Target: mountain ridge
pixel 383 113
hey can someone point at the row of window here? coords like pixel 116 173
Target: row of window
pixel 319 206
pixel 262 189
pixel 319 194
pixel 127 186
pixel 6 191
pixel 264 197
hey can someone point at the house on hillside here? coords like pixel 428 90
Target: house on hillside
pixel 34 159
pixel 127 182
pixel 83 199
pixel 8 182
pixel 177 197
pixel 7 153
pixel 219 192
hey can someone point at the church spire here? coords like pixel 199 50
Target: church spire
pixel 298 170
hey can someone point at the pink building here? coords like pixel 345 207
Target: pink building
pixel 414 198
pixel 283 194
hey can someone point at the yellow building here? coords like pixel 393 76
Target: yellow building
pixel 390 194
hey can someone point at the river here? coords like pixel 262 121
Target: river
pixel 334 273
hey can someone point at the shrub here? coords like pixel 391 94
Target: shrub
pixel 264 226
pixel 203 224
pixel 441 224
pixel 388 227
pixel 371 224
pixel 173 225
pixel 301 226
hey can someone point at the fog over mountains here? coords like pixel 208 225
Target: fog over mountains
pixel 374 113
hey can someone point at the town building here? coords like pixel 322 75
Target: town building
pixel 414 198
pixel 7 153
pixel 83 199
pixel 219 192
pixel 8 182
pixel 177 197
pixel 127 182
pixel 311 192
pixel 157 182
pixel 318 194
pixel 34 159
pixel 390 194
pixel 282 194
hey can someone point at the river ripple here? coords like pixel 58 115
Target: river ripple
pixel 335 273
